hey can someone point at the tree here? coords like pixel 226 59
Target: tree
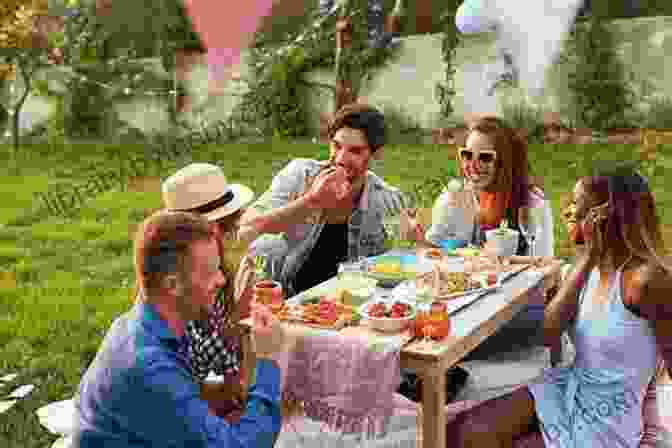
pixel 97 72
pixel 597 83
pixel 21 51
pixel 159 28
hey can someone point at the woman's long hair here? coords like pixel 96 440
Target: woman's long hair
pixel 229 267
pixel 512 169
pixel 632 226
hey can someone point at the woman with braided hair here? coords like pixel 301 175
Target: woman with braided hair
pixel 616 310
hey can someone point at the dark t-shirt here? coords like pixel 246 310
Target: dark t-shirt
pixel 330 249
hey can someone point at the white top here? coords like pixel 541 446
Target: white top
pixel 455 212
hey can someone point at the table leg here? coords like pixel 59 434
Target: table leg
pixel 433 410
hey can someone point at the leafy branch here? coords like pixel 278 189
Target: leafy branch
pixel 445 91
pixel 276 95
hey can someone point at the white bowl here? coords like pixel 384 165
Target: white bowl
pixel 388 324
pixel 504 245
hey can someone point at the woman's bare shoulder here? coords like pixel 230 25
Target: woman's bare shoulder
pixel 648 288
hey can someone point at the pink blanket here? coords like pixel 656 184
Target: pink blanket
pixel 343 381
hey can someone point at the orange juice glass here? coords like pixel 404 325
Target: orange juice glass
pixel 268 292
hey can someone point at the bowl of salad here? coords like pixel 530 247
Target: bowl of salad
pixel 388 317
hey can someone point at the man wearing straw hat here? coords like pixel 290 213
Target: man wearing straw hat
pixel 214 346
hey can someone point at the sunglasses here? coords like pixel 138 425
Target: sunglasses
pixel 484 156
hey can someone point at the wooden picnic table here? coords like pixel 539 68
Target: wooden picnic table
pixel 470 327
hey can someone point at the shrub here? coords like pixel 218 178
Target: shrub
pixel 401 126
pixel 659 114
pixel 598 89
pixel 524 116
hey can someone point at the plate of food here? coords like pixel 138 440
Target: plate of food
pixel 464 252
pixel 347 292
pixel 388 316
pixel 391 270
pixel 319 312
pixel 456 284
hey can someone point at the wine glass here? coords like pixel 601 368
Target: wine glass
pixel 529 229
pixel 392 227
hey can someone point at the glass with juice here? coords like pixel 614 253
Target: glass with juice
pixel 421 320
pixel 440 320
pixel 268 292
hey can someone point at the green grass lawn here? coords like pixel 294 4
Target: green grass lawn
pixel 73 276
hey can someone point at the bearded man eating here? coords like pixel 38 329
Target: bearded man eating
pixel 139 391
pixel 327 212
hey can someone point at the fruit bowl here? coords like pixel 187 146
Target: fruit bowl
pixel 388 324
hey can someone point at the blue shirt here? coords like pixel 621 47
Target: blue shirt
pixel 139 392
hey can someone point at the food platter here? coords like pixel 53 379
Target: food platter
pixel 327 312
pixel 452 285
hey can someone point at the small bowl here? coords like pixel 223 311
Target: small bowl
pixel 451 244
pixel 505 245
pixel 362 295
pixel 389 324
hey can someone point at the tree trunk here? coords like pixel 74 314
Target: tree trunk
pixel 21 66
pixel 185 60
pixel 393 22
pixel 424 21
pixel 344 91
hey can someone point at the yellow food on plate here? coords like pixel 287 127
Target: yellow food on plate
pixel 387 268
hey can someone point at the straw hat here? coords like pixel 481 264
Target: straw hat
pixel 202 188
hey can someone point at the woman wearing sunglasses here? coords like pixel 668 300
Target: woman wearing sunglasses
pixel 616 310
pixel 495 186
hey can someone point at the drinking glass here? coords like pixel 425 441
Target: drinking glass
pixel 268 292
pixel 350 270
pixel 392 227
pixel 529 229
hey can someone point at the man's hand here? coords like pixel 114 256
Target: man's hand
pixel 268 336
pixel 331 190
pixel 244 285
pixel 411 229
pixel 542 262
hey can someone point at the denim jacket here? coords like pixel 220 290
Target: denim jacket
pixel 366 234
